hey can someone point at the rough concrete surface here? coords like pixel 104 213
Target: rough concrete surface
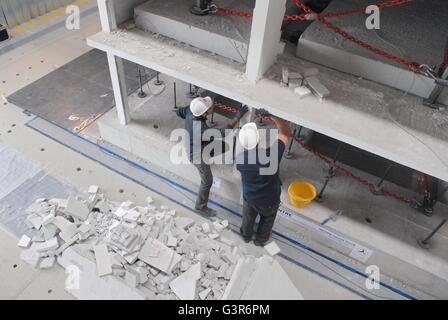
pixel 218 33
pixel 414 31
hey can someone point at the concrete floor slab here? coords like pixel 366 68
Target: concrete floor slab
pixel 222 34
pixel 414 31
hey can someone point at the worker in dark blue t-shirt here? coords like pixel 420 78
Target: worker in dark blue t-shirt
pixel 196 126
pixel 260 179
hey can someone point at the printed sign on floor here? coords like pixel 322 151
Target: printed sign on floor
pixel 358 252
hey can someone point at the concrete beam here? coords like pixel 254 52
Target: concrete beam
pixel 356 117
pixel 265 37
pixel 119 85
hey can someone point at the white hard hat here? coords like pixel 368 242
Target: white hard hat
pixel 249 136
pixel 199 106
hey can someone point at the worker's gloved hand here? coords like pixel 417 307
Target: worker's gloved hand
pixel 263 113
pixel 241 112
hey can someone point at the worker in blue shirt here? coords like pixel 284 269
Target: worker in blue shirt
pixel 196 126
pixel 260 180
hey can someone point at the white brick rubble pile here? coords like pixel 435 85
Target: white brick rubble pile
pixel 147 248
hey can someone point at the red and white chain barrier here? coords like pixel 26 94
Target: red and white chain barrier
pixel 322 17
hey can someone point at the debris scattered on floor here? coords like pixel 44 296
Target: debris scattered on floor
pixel 272 248
pixel 148 249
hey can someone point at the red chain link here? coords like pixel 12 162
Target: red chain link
pixel 310 15
pixel 414 66
pixel 381 5
pixel 225 107
pixel 236 13
pixel 349 174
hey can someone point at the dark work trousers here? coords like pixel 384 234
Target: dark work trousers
pixel 206 184
pixel 267 219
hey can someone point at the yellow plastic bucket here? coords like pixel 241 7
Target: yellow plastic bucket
pixel 301 193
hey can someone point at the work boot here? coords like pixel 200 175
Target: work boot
pixel 260 243
pixel 206 212
pixel 246 239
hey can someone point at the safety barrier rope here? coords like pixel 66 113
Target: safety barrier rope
pixel 330 162
pixel 310 15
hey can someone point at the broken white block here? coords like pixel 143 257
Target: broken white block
pixel 35 220
pixel 68 232
pixel 149 200
pixel 120 212
pixel 47 263
pixel 203 294
pixel 127 205
pixel 60 203
pixel 131 279
pixel 183 223
pixel 50 231
pixel 272 248
pixel 184 286
pixel 310 72
pixel 93 189
pixel 77 209
pixel 51 244
pixel 172 241
pixel 285 75
pixel 48 219
pixel 103 261
pixel 39 237
pixel 225 223
pixel 131 258
pixel 318 88
pixel 142 274
pixel 294 83
pixel 302 92
pixel 213 236
pixel 295 76
pixel 218 226
pixel 132 215
pixel 24 241
pixel 159 256
pixel 206 227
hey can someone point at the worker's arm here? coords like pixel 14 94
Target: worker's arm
pixel 243 110
pixel 182 112
pixel 285 133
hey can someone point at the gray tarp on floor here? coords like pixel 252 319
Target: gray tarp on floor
pixel 22 182
pixel 76 94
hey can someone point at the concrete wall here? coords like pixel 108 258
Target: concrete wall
pixel 124 9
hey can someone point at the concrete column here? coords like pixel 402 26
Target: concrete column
pixel 119 85
pixel 108 18
pixel 265 37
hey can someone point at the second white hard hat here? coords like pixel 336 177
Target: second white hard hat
pixel 249 136
pixel 200 105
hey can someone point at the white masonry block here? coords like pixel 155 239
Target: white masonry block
pixel 24 241
pixel 302 92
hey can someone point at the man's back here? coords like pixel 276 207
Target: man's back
pixel 260 178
